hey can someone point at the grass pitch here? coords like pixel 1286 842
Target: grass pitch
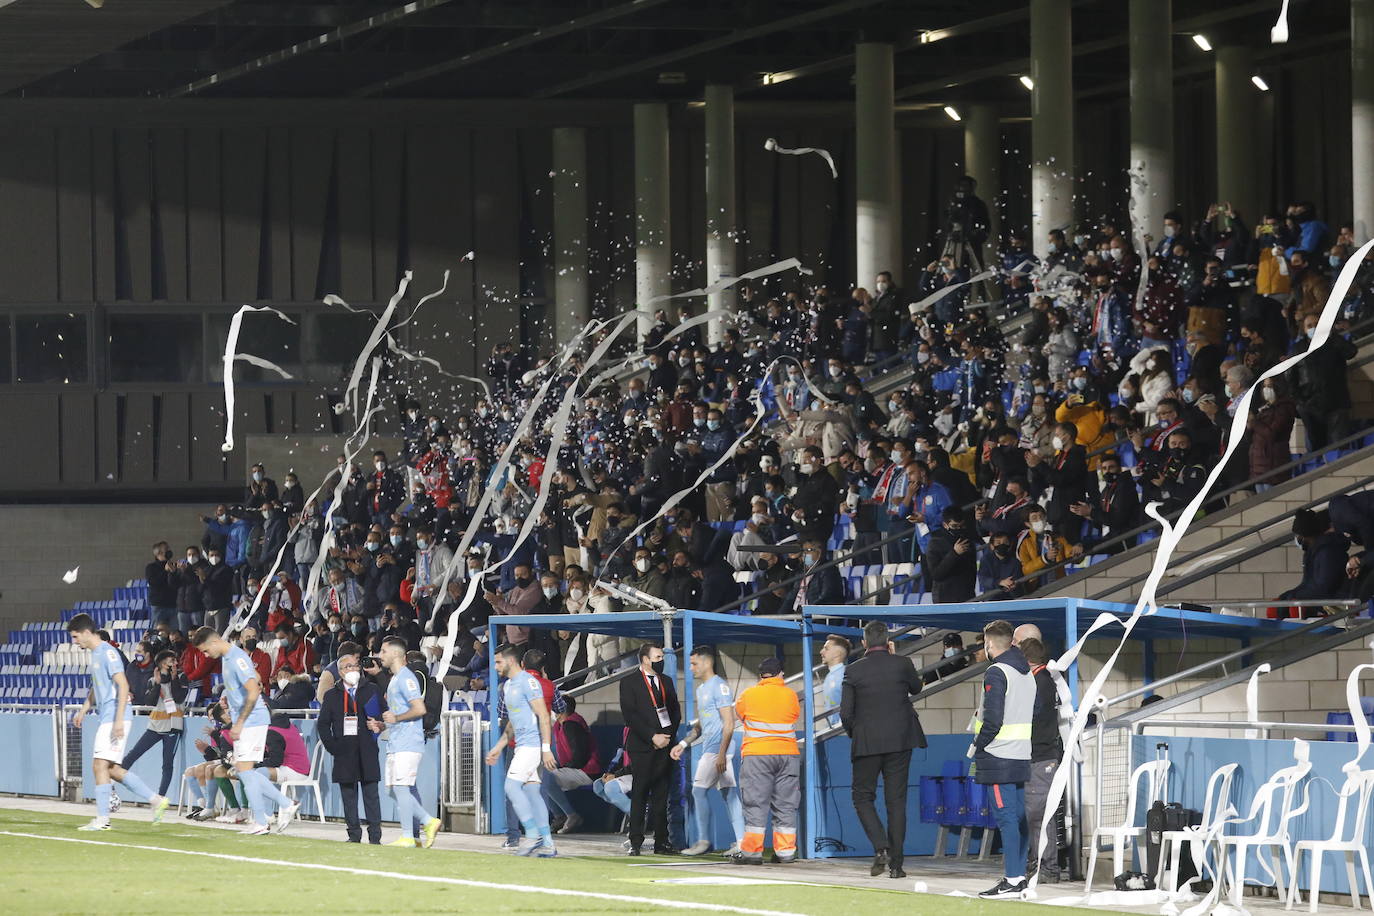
pixel 174 867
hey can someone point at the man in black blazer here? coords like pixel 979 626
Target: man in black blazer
pixel 648 700
pixel 343 727
pixel 875 709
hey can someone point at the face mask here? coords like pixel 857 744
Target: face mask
pixel 523 581
pixel 1057 443
pixel 698 422
pixel 1188 395
pixel 282 682
pixel 214 561
pixel 657 666
pixel 192 560
pixel 1114 254
pixel 379 465
pixel 1270 395
pixel 550 591
pixel 1080 383
pixel 836 371
pixel 1111 476
pixel 636 393
pixel 922 356
pixel 1051 247
pixel 421 543
pixel 351 678
pixel 713 424
pixel 1163 423
pixel 881 287
pixel 642 565
pixel 334 628
pixel 1311 332
pixel 257 475
pixel 951 651
pixel 396 540
pixel 1037 410
pixel 1038 527
pixel 374 546
pixel 575 594
pixel 808 559
pixel 222 519
pixel 1169 231
pixel 290 482
pixel 947 269
pixel 1179 452
pixel 808 468
pixel 357 629
pixel 1334 260
pixel 1002 550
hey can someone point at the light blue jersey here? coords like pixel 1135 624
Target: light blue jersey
pixel 520 692
pixel 238 670
pixel 106 662
pixel 831 691
pixel 713 696
pixel 404 736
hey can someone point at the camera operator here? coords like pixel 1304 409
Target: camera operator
pixel 966 224
pixel 165 693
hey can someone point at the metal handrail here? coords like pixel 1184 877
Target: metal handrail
pixel 1266 727
pixel 1174 516
pixel 1221 660
pixel 1230 539
pixel 1296 655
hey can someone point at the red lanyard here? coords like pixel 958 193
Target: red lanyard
pixel 346 699
pixel 650 687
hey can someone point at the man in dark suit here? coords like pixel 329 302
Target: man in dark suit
pixel 648 701
pixel 343 729
pixel 875 709
pixel 816 588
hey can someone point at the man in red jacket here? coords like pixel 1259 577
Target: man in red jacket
pixel 198 668
pixel 295 650
pixel 578 764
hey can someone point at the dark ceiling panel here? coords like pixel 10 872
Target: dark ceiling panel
pixel 41 37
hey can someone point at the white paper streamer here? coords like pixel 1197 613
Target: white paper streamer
pixel 939 294
pixel 1279 33
pixel 262 364
pixel 415 358
pixel 69 576
pixel 772 146
pixel 350 398
pixel 725 283
pixel 1171 534
pixel 415 311
pixel 1357 716
pixel 1252 699
pixel 231 344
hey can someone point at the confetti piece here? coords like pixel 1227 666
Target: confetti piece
pixel 70 575
pixel 772 146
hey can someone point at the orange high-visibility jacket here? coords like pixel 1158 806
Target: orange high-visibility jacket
pixel 769 712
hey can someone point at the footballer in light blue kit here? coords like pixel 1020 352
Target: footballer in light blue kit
pixel 715 707
pixel 834 654
pixel 529 729
pixel 249 718
pixel 109 697
pixel 405 736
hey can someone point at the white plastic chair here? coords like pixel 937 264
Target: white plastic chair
pixel 1346 837
pixel 1272 815
pixel 311 782
pixel 1155 775
pixel 1214 808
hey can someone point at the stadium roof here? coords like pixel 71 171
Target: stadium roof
pixel 581 49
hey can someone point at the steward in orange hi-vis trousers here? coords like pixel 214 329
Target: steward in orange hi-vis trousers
pixel 770 771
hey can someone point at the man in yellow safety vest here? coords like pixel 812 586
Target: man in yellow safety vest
pixel 770 768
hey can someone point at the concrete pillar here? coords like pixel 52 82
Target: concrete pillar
pixel 653 256
pixel 1361 117
pixel 1152 116
pixel 982 162
pixel 720 199
pixel 1237 147
pixel 1052 187
pixel 876 215
pixel 572 301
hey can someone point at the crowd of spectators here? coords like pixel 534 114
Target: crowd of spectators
pixel 1027 433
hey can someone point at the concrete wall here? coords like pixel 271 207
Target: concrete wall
pixel 110 543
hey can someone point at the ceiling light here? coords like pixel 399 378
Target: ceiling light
pixel 953 114
pixel 1259 82
pixel 1201 41
pixel 1027 82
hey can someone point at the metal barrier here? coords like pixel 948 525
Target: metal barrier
pixel 461 775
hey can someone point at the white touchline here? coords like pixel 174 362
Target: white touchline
pixel 431 879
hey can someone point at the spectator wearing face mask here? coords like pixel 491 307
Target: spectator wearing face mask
pixel 216 590
pixel 520 599
pixel 884 316
pixel 1156 371
pixel 1037 428
pixel 683 586
pixel 951 560
pixel 817 586
pixel 260 489
pixel 1000 568
pixel 1321 386
pixel 1182 475
pixel 1067 473
pixel 1271 425
pixel 1040 546
pixel 380 574
pixel 352 746
pixel 429 564
pixel 283 602
pixel 385 490
pixel 229 533
pixel 817 499
pixel 292 689
pixel 1116 509
pixel 1324 559
pixel 941 275
pixel 294 650
pixel 272 542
